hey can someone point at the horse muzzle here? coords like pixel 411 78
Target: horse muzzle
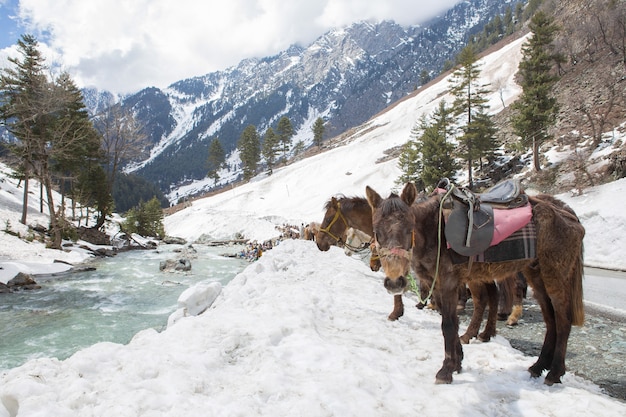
pixel 395 286
pixel 323 245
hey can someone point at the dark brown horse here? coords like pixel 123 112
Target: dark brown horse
pixel 411 235
pixel 504 301
pixel 341 214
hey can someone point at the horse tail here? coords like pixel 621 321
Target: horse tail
pixel 578 310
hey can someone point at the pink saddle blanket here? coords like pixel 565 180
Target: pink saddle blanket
pixel 508 221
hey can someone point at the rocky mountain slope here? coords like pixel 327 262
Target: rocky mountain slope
pixel 346 76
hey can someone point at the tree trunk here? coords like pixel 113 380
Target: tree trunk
pixel 55 226
pixel 41 197
pixel 536 155
pixel 25 198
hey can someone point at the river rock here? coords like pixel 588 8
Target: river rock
pixel 23 281
pixel 172 240
pixel 179 265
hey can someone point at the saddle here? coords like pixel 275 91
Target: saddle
pixel 470 217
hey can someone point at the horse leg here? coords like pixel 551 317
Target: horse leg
pixel 479 299
pixel 462 297
pixel 518 300
pixel 506 293
pixel 492 316
pixel 424 290
pixel 563 329
pixel 398 308
pixel 450 329
pixel 547 349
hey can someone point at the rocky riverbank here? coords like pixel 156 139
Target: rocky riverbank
pixel 596 351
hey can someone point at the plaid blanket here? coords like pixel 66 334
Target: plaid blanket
pixel 522 244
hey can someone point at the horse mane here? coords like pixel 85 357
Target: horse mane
pixel 348 203
pixel 393 204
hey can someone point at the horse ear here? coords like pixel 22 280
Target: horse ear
pixel 409 193
pixel 373 198
pixel 333 202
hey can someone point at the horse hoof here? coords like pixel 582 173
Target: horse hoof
pixel 443 380
pixel 551 380
pixel 420 306
pixel 464 339
pixel 535 371
pixel 484 337
pixel 392 317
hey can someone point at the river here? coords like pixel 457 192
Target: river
pixel 125 294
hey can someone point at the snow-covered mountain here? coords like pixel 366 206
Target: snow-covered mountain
pixel 346 76
pixel 345 169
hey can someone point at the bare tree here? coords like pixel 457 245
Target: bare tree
pixel 123 139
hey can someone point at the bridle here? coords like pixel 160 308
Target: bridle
pixel 397 250
pixel 338 215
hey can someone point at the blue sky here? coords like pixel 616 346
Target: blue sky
pixel 125 45
pixel 10 32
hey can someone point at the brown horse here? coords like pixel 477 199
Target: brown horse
pixel 341 214
pixel 411 235
pixel 505 303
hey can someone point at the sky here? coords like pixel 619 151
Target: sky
pixel 302 332
pixel 123 46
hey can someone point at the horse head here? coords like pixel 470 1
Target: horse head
pixel 393 223
pixel 333 228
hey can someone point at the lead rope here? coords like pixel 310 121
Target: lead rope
pixel 439 228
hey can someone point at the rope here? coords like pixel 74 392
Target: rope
pixel 439 240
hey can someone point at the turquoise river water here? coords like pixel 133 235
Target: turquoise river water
pixel 125 294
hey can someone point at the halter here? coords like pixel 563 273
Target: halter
pixel 338 215
pixel 383 252
pixel 396 251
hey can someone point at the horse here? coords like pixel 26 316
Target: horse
pixel 344 213
pixel 311 230
pixel 409 235
pixel 505 303
pixel 356 241
pixel 341 214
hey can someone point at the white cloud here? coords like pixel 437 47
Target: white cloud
pixel 124 46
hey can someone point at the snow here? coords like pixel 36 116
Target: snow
pixel 301 332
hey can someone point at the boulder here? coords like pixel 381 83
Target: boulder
pixel 172 240
pixel 22 281
pixel 178 265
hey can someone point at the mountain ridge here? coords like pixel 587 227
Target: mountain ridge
pixel 346 76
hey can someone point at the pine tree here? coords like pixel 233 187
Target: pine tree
pixel 270 148
pixel 216 159
pixel 50 122
pixel 285 132
pixel 20 90
pixel 146 219
pixel 76 145
pixel 318 131
pixel 410 162
pixel 536 109
pixel 249 151
pixel 469 100
pixel 483 133
pixel 435 149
